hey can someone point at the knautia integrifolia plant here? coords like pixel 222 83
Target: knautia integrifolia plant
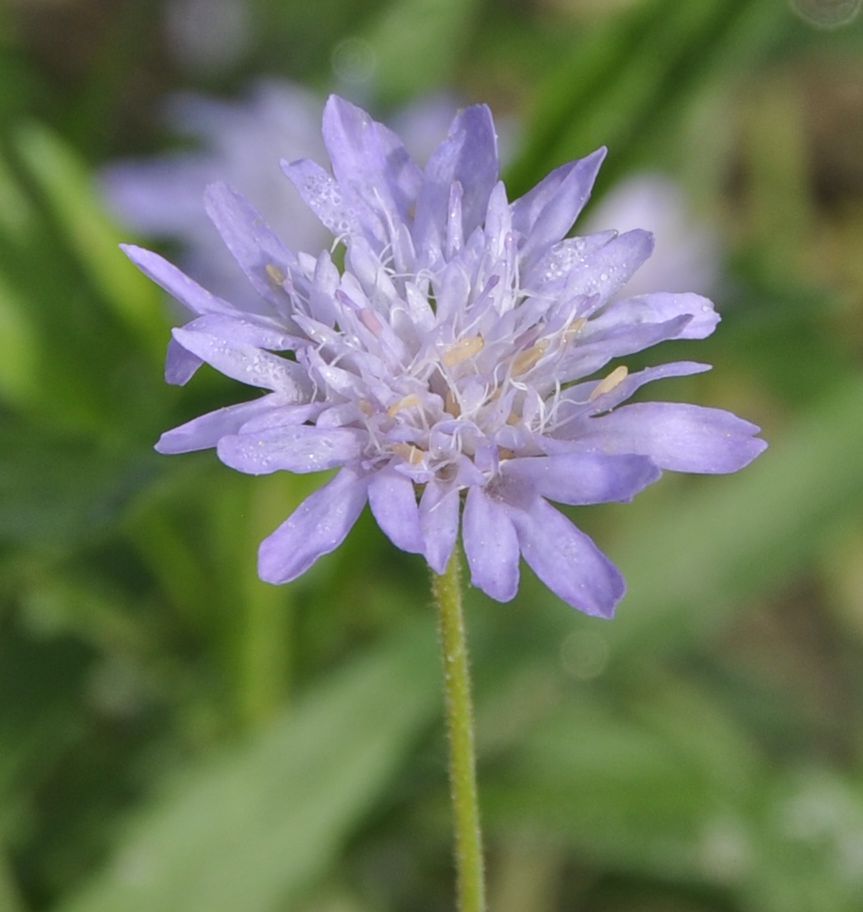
pixel 461 371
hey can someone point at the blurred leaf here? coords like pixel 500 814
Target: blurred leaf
pixel 625 82
pixel 256 825
pixel 71 196
pixel 416 45
pixel 60 491
pixel 614 788
pixel 807 845
pixel 10 900
pixel 19 351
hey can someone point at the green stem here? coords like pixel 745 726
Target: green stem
pixel 462 764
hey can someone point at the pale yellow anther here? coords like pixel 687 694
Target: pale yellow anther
pixel 410 453
pixel 408 402
pixel 505 454
pixel 527 359
pixel 615 378
pixel 462 350
pixel 574 329
pixel 366 407
pixel 277 277
pixel 451 404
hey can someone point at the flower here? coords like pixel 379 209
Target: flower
pixel 462 353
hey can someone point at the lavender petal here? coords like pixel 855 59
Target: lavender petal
pixel 490 545
pixel 566 559
pixel 678 437
pixel 294 448
pixel 317 527
pixel 394 506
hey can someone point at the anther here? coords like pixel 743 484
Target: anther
pixel 614 379
pixel 410 401
pixel 574 329
pixel 277 277
pixel 462 350
pixel 408 452
pixel 527 359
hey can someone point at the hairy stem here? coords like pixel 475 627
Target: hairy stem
pixel 462 763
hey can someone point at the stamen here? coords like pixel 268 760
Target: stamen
pixel 410 401
pixel 366 407
pixel 410 453
pixel 527 359
pixel 574 329
pixel 614 379
pixel 462 350
pixel 277 277
pixel 451 404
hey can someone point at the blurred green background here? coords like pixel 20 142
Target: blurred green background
pixel 175 735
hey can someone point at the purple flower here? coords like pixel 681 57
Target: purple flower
pixel 468 352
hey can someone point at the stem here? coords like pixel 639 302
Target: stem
pixel 462 764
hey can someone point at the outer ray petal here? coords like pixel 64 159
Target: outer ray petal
pixel 545 214
pixel 394 506
pixel 188 292
pixel 370 161
pixel 678 437
pixel 248 364
pixel 439 509
pixel 260 254
pixel 566 559
pixel 583 478
pixel 658 308
pixel 317 527
pixel 205 431
pixel 468 159
pixel 490 545
pixel 294 448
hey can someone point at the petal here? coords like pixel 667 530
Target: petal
pixel 394 505
pixel 584 478
pixel 490 545
pixel 180 365
pixel 579 266
pixel 579 400
pixel 566 560
pixel 176 283
pixel 370 161
pixel 592 350
pixel 249 329
pixel 439 509
pixel 678 437
pixel 467 157
pixel 205 431
pixel 659 308
pixel 319 525
pixel 247 363
pixel 294 448
pixel 546 213
pixel 260 254
pixel 322 195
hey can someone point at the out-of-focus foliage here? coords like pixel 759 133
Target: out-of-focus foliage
pixel 176 735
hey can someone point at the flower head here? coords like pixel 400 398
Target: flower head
pixel 457 370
